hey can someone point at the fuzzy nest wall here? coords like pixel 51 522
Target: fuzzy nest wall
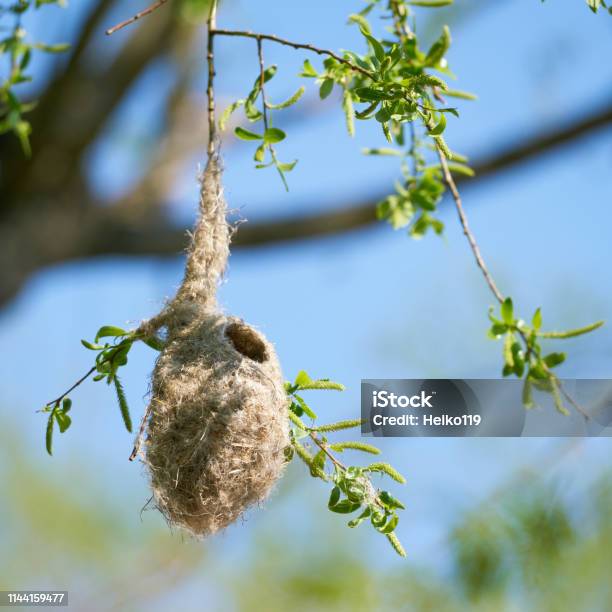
pixel 218 427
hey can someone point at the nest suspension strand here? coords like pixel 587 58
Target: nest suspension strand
pixel 218 426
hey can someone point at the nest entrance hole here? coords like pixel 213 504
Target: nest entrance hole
pixel 246 341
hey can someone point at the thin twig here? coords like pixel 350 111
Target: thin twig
pixel 131 20
pixel 141 431
pixel 264 103
pixel 450 182
pixel 81 380
pixel 323 447
pixel 448 179
pixel 568 397
pixel 295 45
pixel 262 82
pixel 210 90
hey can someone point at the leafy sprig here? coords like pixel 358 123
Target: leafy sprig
pixel 352 488
pixel 523 354
pixel 595 5
pixel 18 52
pixel 265 154
pixel 111 355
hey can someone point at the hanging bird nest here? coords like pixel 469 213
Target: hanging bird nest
pixel 218 427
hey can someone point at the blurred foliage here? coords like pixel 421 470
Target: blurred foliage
pixel 61 528
pixel 530 549
pixel 17 50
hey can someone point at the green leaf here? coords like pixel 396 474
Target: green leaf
pixel 267 75
pixel 387 132
pixel 369 94
pixel 260 153
pixel 507 311
pixel 63 420
pixel 594 5
pixel 246 134
pixel 438 50
pixel 110 331
pixel 91 346
pixel 125 412
pixel 437 129
pixel 326 88
pixel 287 167
pixel 391 525
pixel 25 60
pixel 378 49
pixel 362 517
pixel 497 330
pixel 302 378
pixel 334 497
pixel 274 135
pixel 389 501
pixel 361 21
pixel 536 321
pixel 252 113
pixel 554 359
pixel 227 113
pixel 66 405
pixel 308 71
pixel 345 507
pixel 318 464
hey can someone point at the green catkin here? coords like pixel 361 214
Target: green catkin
pixel 339 425
pixel 360 446
pixel 397 545
pixel 123 405
pixel 387 469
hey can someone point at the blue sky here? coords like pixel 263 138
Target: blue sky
pixel 373 304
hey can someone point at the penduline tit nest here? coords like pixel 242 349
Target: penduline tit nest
pixel 218 426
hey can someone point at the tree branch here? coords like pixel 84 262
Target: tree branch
pixel 450 182
pixel 289 43
pixel 153 235
pixel 210 89
pixel 136 17
pixel 100 231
